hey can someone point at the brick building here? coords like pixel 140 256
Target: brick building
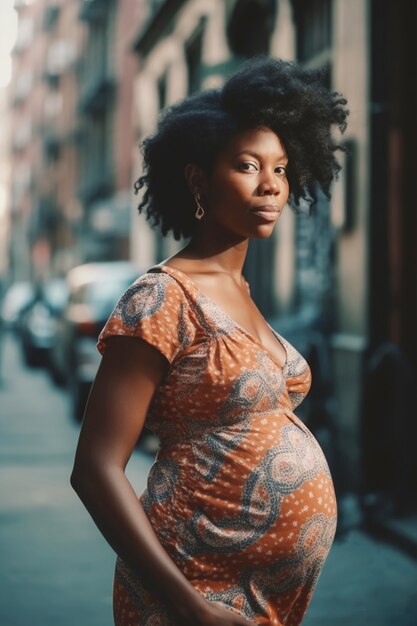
pixel 107 74
pixel 26 98
pixel 70 119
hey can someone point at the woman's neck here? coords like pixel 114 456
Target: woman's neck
pixel 216 253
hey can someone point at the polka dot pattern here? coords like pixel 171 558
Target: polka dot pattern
pixel 240 494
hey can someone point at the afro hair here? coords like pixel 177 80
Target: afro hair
pixel 293 102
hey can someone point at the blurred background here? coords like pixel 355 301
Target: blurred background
pixel 81 84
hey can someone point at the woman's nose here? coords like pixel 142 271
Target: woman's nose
pixel 268 185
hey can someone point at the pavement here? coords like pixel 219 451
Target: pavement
pixel 365 582
pixel 55 568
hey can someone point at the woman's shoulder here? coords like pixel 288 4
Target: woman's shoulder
pixel 154 308
pixel 152 291
pixel 156 280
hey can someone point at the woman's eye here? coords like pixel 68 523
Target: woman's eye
pixel 248 167
pixel 281 170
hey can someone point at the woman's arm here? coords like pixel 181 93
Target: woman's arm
pixel 115 414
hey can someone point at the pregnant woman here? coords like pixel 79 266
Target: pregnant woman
pixel 239 512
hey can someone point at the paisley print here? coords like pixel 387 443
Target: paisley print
pixel 161 482
pixel 150 298
pixel 240 494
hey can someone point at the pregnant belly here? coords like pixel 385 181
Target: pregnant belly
pixel 260 503
pixel 253 497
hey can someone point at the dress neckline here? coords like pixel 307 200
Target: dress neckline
pixel 174 272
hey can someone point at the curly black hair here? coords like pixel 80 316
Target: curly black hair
pixel 266 92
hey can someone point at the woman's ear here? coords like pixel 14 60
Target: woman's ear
pixel 196 179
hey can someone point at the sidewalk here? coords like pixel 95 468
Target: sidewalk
pixel 365 582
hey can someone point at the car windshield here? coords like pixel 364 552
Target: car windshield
pixel 104 294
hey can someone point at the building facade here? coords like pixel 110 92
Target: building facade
pixel 4 190
pixel 70 103
pixel 106 79
pixel 26 95
pixel 322 272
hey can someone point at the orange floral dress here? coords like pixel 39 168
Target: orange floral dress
pixel 240 494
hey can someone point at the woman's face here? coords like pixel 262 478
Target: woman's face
pixel 248 187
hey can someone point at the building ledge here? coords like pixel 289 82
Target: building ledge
pixel 347 342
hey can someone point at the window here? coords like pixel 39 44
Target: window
pixel 314 29
pixel 162 91
pixel 193 50
pixel 250 27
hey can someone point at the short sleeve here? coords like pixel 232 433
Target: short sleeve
pixel 154 308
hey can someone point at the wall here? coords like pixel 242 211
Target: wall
pixel 350 76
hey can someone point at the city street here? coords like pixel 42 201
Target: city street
pixel 55 567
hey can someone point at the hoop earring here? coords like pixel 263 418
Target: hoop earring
pixel 199 214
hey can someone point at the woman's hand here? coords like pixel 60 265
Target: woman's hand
pixel 211 614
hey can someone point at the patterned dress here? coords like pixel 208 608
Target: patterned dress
pixel 240 495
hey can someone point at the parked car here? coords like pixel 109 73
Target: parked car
pixel 93 290
pixel 16 297
pixel 37 321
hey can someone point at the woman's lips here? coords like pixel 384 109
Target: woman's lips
pixel 268 212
